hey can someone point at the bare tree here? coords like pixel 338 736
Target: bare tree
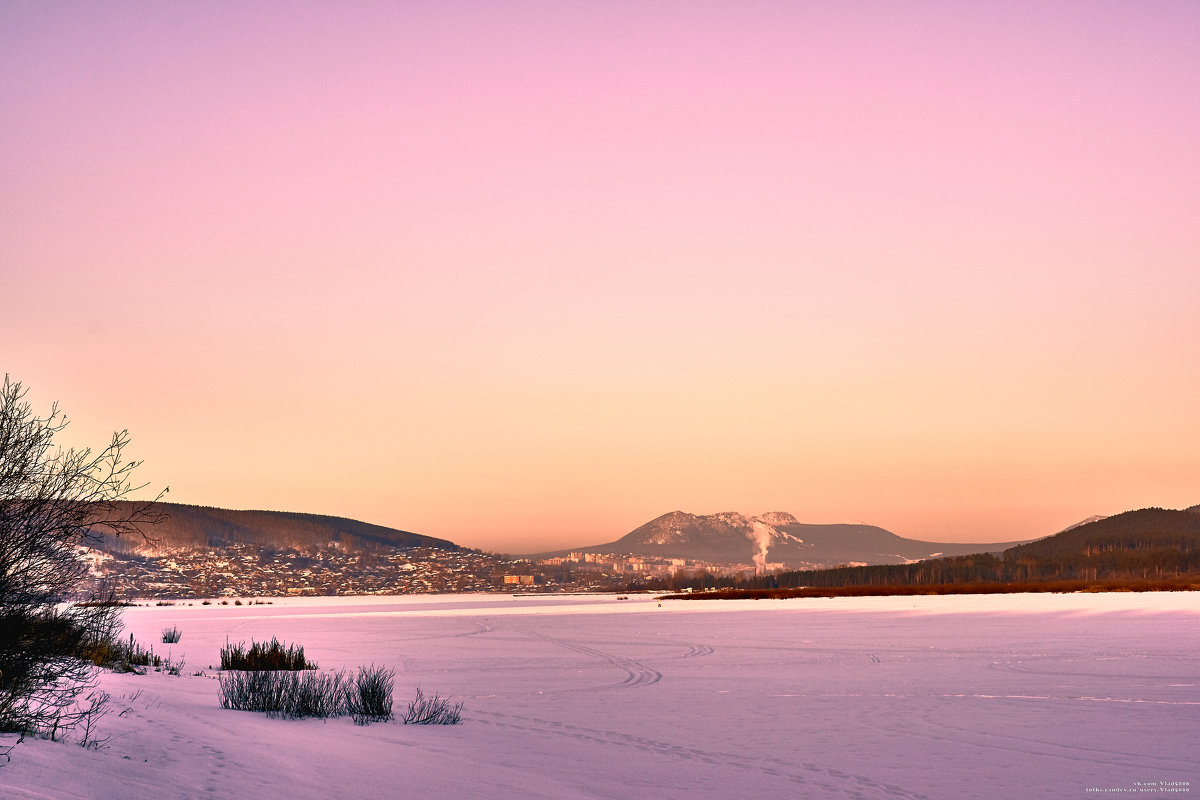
pixel 52 501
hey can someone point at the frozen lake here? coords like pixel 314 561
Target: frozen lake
pixel 992 696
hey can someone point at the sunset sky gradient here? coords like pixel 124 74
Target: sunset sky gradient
pixel 528 274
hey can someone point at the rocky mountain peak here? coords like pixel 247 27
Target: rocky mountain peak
pixel 731 518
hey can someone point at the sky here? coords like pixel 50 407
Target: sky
pixel 526 275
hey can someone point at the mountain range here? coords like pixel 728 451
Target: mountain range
pixel 282 552
pixel 777 538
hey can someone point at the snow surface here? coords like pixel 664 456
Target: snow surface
pixel 989 696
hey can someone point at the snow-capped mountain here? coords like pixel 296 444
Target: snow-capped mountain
pixel 1082 522
pixel 777 537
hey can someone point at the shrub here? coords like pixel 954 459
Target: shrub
pixel 96 710
pixel 370 699
pixel 171 666
pixel 171 635
pixel 285 693
pixel 121 655
pixel 264 656
pixel 45 665
pixel 436 710
pixel 318 694
pixel 288 693
pixel 258 691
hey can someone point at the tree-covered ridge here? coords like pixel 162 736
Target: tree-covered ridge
pixel 189 527
pixel 1152 543
pixel 1147 529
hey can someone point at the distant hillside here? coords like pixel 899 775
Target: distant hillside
pixel 1151 543
pixel 776 538
pixel 199 527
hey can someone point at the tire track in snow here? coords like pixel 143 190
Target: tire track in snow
pixel 636 673
pixel 811 777
pixel 481 627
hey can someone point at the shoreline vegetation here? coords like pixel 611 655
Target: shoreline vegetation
pixel 1183 584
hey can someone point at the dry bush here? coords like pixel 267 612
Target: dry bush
pixel 285 693
pixel 271 655
pixel 436 710
pixel 370 699
pixel 367 697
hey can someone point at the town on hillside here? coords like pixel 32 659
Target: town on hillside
pixel 247 570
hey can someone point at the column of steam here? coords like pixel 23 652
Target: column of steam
pixel 762 535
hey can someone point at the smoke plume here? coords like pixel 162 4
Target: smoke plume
pixel 762 535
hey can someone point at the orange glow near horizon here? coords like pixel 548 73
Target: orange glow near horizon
pixel 528 279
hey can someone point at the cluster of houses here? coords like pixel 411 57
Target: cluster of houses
pixel 247 570
pixel 649 566
pixel 252 571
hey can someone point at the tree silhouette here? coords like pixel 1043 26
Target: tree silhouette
pixel 52 501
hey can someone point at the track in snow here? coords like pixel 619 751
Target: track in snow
pixel 636 673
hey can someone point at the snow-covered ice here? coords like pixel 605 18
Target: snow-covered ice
pixel 990 696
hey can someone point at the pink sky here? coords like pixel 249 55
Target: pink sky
pixel 528 275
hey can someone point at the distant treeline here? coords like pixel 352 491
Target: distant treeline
pixel 1148 545
pixel 1132 585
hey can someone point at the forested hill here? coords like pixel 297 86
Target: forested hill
pixel 1152 543
pixel 1155 533
pixel 198 527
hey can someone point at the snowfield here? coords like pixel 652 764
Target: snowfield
pixel 992 696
